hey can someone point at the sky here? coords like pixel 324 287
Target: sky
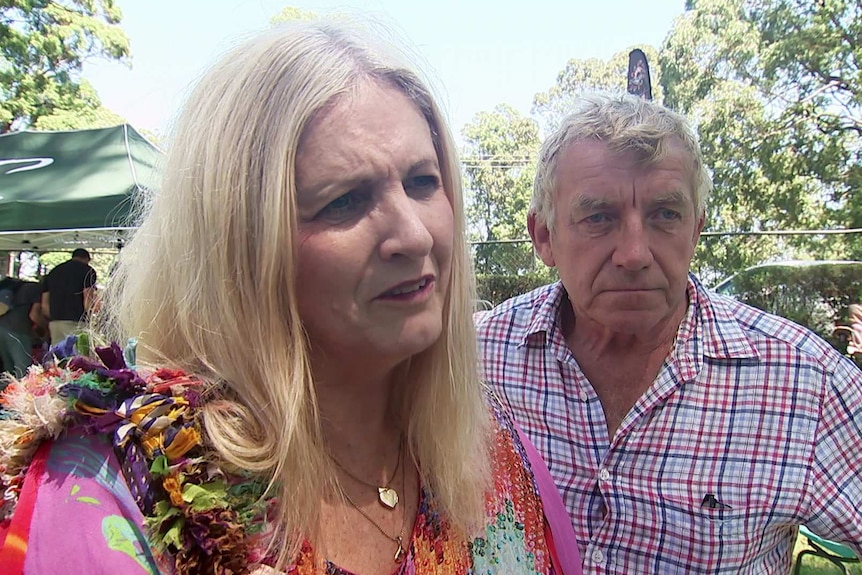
pixel 476 53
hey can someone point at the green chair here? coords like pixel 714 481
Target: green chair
pixel 836 553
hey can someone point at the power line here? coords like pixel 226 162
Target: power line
pixel 846 231
pixel 786 232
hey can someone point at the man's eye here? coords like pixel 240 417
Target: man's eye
pixel 668 214
pixel 599 218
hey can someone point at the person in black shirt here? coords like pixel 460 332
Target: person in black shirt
pixel 68 294
pixel 16 325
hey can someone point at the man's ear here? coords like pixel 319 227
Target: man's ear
pixel 700 223
pixel 541 236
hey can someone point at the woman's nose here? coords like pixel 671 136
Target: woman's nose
pixel 405 232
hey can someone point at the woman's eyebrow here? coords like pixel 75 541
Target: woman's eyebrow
pixel 422 165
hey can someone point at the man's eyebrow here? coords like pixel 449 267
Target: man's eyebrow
pixel 586 203
pixel 672 197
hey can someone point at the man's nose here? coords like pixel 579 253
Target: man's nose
pixel 632 250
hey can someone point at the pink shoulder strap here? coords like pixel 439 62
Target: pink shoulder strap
pixel 557 516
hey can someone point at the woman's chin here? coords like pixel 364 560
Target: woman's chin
pixel 412 339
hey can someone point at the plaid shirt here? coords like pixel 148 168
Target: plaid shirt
pixel 752 427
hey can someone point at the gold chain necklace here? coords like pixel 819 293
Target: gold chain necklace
pixel 400 552
pixel 387 496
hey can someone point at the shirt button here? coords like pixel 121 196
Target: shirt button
pixel 585 397
pixel 597 556
pixel 604 475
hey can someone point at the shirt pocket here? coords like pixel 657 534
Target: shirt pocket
pixel 734 521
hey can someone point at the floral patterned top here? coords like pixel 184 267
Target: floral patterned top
pixel 102 471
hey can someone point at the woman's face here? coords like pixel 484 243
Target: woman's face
pixel 375 232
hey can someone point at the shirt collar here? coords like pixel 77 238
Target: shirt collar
pixel 711 323
pixel 546 314
pixel 709 327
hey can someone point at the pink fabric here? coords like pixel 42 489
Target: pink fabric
pixel 85 520
pixel 555 511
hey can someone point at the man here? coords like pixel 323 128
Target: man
pixel 687 432
pixel 68 295
pixel 16 325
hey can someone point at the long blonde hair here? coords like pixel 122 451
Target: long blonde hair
pixel 207 282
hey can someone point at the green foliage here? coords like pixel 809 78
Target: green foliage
pixel 498 288
pixel 774 87
pixel 815 565
pixel 499 166
pixel 90 114
pixel 289 13
pixel 43 46
pixel 101 262
pixel 819 566
pixel 816 296
pixel 591 75
pixel 506 258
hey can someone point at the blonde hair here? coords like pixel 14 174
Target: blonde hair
pixel 207 282
pixel 623 123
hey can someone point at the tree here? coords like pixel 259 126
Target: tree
pixel 590 75
pixel 499 166
pixel 774 88
pixel 500 158
pixel 43 46
pixel 89 114
pixel 289 14
pixel 102 262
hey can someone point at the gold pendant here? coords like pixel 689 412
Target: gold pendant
pixel 399 553
pixel 388 497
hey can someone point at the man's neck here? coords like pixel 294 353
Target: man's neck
pixel 620 366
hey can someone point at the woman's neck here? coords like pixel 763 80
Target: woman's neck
pixel 360 415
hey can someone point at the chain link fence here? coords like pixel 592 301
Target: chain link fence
pixel 509 267
pixel 505 257
pixel 718 255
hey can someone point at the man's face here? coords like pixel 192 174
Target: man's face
pixel 624 236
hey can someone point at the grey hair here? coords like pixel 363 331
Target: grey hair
pixel 623 123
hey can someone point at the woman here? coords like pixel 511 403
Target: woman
pixel 301 293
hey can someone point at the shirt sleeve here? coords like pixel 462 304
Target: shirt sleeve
pixel 90 278
pixel 835 489
pixel 32 293
pixel 85 519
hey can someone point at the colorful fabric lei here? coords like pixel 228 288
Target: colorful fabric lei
pixel 208 521
pixel 199 516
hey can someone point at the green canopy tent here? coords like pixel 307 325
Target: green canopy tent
pixel 62 190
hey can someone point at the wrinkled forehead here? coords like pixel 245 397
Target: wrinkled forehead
pixel 649 151
pixel 592 169
pixel 633 152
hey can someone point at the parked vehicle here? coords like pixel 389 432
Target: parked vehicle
pixel 816 294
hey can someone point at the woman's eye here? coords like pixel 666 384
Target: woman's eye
pixel 425 182
pixel 343 206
